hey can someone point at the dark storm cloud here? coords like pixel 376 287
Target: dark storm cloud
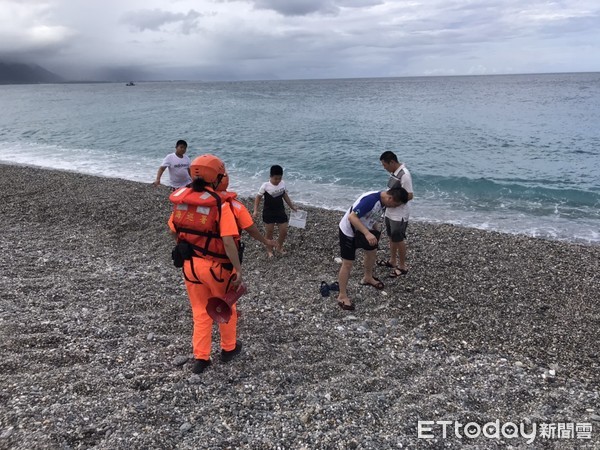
pixel 34 51
pixel 298 7
pixel 307 7
pixel 250 39
pixel 156 19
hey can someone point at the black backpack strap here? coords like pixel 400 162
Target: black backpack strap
pixel 395 181
pixel 198 281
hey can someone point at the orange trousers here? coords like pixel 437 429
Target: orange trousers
pixel 205 279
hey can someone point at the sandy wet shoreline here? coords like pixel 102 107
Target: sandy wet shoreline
pixel 95 332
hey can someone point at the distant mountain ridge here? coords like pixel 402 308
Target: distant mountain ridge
pixel 20 73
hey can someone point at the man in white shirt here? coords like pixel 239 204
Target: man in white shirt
pixel 179 167
pixel 396 219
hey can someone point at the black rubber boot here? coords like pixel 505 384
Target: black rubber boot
pixel 227 356
pixel 200 365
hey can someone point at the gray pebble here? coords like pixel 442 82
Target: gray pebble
pixel 180 361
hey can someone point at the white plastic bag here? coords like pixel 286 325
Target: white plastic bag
pixel 298 219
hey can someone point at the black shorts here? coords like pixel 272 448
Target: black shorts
pixel 278 216
pixel 396 230
pixel 347 249
pixel 348 245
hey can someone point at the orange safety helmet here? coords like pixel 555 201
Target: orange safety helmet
pixel 212 170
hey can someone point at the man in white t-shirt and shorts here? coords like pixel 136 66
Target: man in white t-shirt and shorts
pixel 396 219
pixel 178 164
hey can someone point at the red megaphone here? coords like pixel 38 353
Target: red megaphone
pixel 219 309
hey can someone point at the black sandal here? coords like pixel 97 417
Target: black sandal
pixel 377 285
pixel 345 307
pixel 395 273
pixel 385 263
pixel 398 272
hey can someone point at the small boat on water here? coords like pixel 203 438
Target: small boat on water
pixel 131 83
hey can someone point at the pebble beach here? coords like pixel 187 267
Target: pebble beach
pixel 95 333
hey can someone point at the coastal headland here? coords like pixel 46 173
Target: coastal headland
pixel 95 330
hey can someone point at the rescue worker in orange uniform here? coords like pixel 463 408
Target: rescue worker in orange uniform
pixel 207 236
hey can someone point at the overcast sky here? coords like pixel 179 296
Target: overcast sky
pixel 290 39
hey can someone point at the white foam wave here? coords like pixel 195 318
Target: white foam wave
pixel 89 161
pixel 329 195
pixel 512 222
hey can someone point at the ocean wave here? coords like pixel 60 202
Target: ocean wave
pixel 476 155
pixel 564 214
pixel 497 192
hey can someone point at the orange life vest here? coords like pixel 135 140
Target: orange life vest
pixel 227 196
pixel 196 217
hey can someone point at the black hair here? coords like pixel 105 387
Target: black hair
pixel 199 185
pixel 181 142
pixel 388 157
pixel 276 170
pixel 399 194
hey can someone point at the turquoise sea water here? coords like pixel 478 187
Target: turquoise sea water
pixel 518 153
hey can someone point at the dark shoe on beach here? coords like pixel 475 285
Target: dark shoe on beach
pixel 377 285
pixel 227 356
pixel 397 272
pixel 334 287
pixel 200 365
pixel 324 289
pixel 384 263
pixel 345 307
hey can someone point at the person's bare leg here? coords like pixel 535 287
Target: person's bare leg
pixel 269 227
pixel 369 262
pixel 283 231
pixel 393 253
pixel 402 255
pixel 343 277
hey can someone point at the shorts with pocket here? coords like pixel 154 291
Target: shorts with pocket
pixel 348 245
pixel 396 230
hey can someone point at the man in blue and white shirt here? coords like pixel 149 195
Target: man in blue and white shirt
pixel 358 229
